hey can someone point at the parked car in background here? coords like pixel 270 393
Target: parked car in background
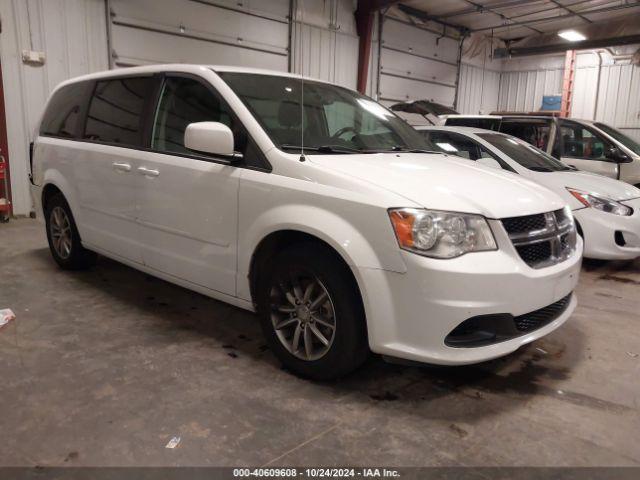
pixel 590 146
pixel 607 211
pixel 340 230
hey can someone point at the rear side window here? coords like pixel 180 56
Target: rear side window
pixel 63 111
pixel 115 112
pixel 536 133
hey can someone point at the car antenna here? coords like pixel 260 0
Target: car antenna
pixel 302 157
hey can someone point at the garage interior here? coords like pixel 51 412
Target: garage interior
pixel 104 367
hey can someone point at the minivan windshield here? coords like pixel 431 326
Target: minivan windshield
pixel 627 141
pixel 333 120
pixel 526 155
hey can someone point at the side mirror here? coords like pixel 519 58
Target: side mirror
pixel 489 162
pixel 614 154
pixel 213 138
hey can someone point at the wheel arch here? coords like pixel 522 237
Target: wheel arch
pixel 279 240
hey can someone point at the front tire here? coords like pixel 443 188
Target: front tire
pixel 64 239
pixel 311 313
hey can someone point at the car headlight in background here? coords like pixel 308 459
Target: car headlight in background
pixel 601 203
pixel 440 234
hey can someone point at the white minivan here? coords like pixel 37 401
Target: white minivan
pixel 330 219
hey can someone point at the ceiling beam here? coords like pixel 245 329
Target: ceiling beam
pixel 558 48
pixel 502 16
pixel 526 23
pixel 493 6
pixel 567 9
pixel 424 16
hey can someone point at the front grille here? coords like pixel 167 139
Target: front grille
pixel 524 224
pixel 542 240
pixel 539 318
pixel 535 253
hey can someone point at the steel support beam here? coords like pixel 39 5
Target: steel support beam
pixel 365 15
pixel 563 47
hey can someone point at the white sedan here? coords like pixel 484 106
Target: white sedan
pixel 607 211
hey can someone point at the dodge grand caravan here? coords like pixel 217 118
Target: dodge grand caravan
pixel 330 220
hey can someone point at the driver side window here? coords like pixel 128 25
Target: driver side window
pixel 582 143
pixel 184 101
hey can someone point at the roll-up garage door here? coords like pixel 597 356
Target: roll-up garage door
pixel 255 34
pixel 417 64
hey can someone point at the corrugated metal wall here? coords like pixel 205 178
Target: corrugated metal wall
pixel 479 89
pixel 605 89
pixel 72 34
pixel 414 63
pixel 619 98
pixel 325 42
pixel 523 90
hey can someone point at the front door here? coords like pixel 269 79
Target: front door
pixel 188 203
pixel 586 149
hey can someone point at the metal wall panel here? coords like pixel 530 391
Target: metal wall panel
pixel 324 43
pixel 478 90
pixel 72 34
pixel 619 98
pixel 523 90
pixel 416 64
pixel 186 31
pixel 585 88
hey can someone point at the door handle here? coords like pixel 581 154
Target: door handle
pixel 147 172
pixel 121 167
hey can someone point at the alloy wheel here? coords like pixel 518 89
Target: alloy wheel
pixel 303 316
pixel 61 235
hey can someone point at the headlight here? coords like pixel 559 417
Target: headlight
pixel 441 234
pixel 601 203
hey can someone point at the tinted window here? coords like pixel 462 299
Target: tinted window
pixel 534 132
pixel 332 116
pixel 63 112
pixel 184 101
pixel 524 153
pixel 486 123
pixel 627 141
pixel 580 142
pixel 461 146
pixel 115 113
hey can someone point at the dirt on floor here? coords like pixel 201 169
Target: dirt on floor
pixel 106 367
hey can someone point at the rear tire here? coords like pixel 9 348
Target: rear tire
pixel 311 313
pixel 64 239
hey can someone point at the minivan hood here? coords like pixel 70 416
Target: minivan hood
pixel 587 182
pixel 443 182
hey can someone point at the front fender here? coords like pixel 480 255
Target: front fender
pixel 371 244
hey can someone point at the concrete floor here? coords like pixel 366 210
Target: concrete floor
pixel 104 367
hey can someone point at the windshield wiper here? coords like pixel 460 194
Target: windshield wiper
pixel 324 149
pixel 541 169
pixel 398 148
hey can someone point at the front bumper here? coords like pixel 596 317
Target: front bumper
pixel 410 314
pixel 600 238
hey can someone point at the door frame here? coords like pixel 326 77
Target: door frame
pixel 4 141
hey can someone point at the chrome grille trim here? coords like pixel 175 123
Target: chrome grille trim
pixel 559 232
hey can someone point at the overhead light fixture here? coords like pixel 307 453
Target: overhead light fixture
pixel 572 36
